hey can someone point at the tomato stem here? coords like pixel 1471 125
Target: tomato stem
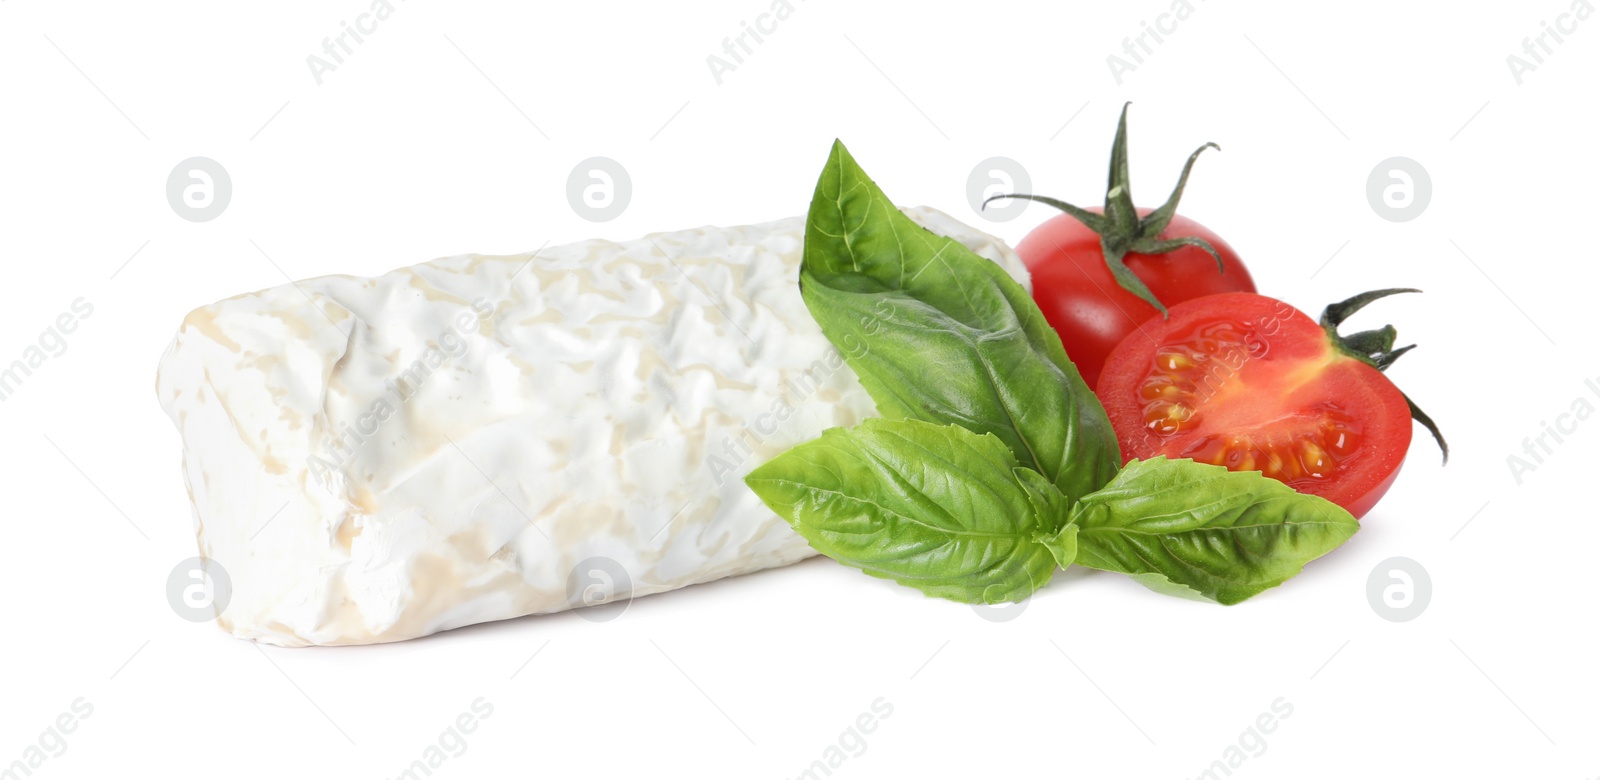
pixel 1121 230
pixel 1376 348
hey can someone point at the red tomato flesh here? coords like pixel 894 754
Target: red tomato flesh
pixel 1082 300
pixel 1250 383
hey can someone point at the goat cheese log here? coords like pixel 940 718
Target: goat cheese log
pixel 483 437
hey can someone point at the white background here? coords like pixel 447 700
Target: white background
pixel 453 129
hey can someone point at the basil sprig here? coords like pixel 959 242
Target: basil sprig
pixel 996 464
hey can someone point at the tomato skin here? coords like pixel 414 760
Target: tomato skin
pixel 1082 300
pixel 1258 387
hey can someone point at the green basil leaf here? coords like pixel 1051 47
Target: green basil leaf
pixel 1226 535
pixel 1058 536
pixel 935 507
pixel 1063 545
pixel 1160 584
pixel 937 333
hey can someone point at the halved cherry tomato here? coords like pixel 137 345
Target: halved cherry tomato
pixel 1250 383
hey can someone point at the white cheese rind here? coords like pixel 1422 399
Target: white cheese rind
pixel 377 459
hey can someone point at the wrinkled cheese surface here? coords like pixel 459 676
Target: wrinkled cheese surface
pixel 483 437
